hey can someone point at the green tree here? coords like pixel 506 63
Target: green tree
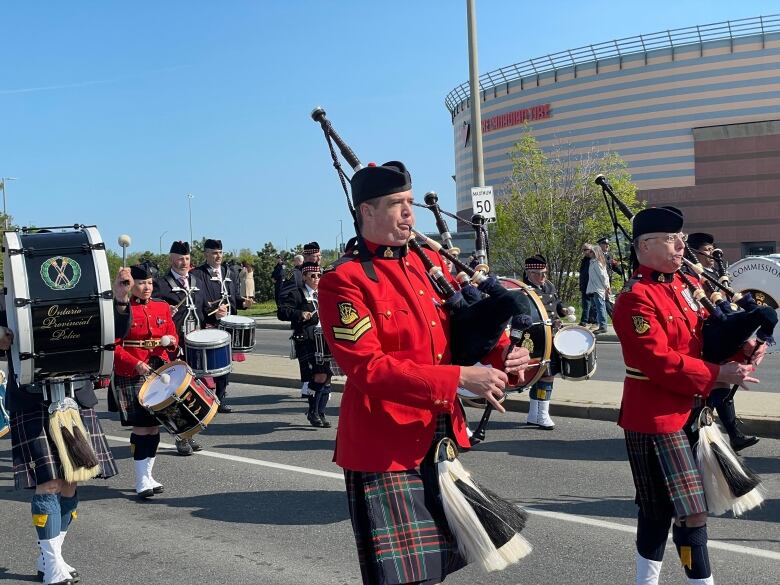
pixel 551 206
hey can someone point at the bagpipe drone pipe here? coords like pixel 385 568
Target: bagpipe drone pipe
pixel 486 527
pixel 733 319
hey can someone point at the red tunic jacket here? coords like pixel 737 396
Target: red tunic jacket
pixel 659 327
pixel 391 339
pixel 150 320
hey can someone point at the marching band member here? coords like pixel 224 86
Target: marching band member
pixel 181 289
pixel 702 245
pixel 541 391
pixel 36 461
pixel 659 325
pixel 151 341
pixel 293 276
pixel 222 298
pixel 299 306
pixel 389 332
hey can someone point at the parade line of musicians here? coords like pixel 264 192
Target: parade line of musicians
pixel 390 331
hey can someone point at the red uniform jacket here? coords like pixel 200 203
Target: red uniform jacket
pixel 659 327
pixel 391 339
pixel 150 320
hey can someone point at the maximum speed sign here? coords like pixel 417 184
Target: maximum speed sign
pixel 482 202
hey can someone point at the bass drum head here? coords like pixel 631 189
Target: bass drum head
pixel 760 276
pixel 538 338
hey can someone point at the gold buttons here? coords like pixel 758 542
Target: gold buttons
pixel 671 318
pixel 433 323
pixel 388 313
pixel 422 292
pixel 439 356
pixel 685 308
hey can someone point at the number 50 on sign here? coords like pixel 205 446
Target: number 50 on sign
pixel 483 203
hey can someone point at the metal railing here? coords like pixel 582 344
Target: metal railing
pixel 572 58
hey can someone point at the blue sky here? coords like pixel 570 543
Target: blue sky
pixel 111 112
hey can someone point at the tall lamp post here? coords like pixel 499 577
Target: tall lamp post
pixel 190 197
pixel 5 211
pixel 341 233
pixel 161 237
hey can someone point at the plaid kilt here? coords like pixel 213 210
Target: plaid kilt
pixel 35 457
pixel 667 481
pixel 131 413
pixel 307 363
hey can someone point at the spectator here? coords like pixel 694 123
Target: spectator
pixel 598 287
pixel 612 264
pixel 246 280
pixel 277 275
pixel 588 311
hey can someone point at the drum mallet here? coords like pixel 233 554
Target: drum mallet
pixel 124 241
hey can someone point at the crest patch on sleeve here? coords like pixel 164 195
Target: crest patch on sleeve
pixel 356 326
pixel 640 324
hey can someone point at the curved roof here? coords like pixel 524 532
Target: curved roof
pixel 617 49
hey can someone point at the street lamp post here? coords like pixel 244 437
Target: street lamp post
pixel 5 211
pixel 190 197
pixel 341 233
pixel 161 237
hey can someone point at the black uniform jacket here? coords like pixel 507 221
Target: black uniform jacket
pixel 212 291
pixel 163 290
pixel 292 305
pixel 25 398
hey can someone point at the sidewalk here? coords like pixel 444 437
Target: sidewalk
pixel 759 411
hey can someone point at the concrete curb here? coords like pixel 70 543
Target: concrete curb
pixel 761 426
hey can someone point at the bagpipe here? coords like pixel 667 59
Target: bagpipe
pixel 486 527
pixel 733 318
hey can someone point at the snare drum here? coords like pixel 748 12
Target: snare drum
pixel 207 351
pixel 576 347
pixel 322 354
pixel 538 338
pixel 241 331
pixel 58 303
pixel 184 406
pixel 5 420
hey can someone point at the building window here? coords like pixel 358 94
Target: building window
pixel 757 248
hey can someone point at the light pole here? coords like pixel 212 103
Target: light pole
pixel 161 237
pixel 341 233
pixel 5 212
pixel 190 197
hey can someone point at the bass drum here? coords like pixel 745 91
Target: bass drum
pixel 538 339
pixel 760 276
pixel 59 304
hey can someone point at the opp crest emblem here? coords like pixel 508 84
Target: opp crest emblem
pixel 61 273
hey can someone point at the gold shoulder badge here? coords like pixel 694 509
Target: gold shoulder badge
pixel 347 313
pixel 640 325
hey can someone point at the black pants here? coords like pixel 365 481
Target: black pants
pixel 221 382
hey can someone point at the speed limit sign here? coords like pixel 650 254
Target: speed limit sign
pixel 483 203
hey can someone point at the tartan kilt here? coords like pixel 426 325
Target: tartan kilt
pixel 35 456
pixel 131 413
pixel 667 481
pixel 307 363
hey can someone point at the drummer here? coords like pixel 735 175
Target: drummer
pixel 540 393
pixel 151 341
pixel 299 305
pixel 222 298
pixel 181 289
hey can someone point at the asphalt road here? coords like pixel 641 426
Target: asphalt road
pixel 263 504
pixel 610 359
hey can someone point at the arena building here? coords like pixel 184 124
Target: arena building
pixel 694 112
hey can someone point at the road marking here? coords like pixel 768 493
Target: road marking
pixel 585 520
pixel 736 548
pixel 239 459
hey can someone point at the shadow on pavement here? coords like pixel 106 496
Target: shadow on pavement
pixel 607 506
pixel 577 450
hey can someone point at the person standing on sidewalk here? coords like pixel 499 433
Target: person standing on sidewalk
pixel 702 245
pixel 181 289
pixel 659 325
pixel 541 392
pixel 588 311
pixel 598 287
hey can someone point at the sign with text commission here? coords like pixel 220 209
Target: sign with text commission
pixel 482 202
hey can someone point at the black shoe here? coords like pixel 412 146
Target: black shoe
pixel 183 447
pixel 742 442
pixel 146 494
pixel 224 408
pixel 599 331
pixel 195 445
pixel 314 420
pixel 157 490
pixel 324 421
pixel 74 577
